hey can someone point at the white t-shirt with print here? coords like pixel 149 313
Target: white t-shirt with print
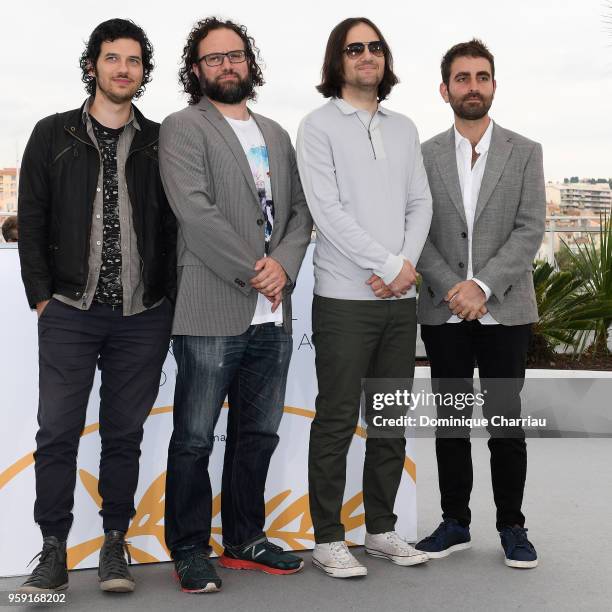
pixel 254 146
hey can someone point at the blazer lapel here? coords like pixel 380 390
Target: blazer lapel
pixel 499 152
pixel 217 120
pixel 446 161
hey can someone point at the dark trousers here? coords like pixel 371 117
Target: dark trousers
pixel 355 339
pixel 500 352
pixel 251 370
pixel 130 353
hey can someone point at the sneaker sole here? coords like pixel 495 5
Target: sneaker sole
pixel 33 589
pixel 447 551
pixel 521 564
pixel 210 587
pixel 404 561
pixel 117 585
pixel 244 564
pixel 336 572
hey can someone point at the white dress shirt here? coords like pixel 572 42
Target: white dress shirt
pixel 470 180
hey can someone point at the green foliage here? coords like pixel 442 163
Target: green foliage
pixel 592 264
pixel 575 302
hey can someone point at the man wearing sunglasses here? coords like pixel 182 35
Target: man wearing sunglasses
pixel 366 188
pixel 232 180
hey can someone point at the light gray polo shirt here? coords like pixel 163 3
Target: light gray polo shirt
pixel 368 194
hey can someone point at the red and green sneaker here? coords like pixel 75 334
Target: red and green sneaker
pixel 261 555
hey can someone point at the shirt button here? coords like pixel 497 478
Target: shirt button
pixel 97 216
pixel 461 264
pixel 260 221
pixel 98 243
pixel 463 235
pixel 98 189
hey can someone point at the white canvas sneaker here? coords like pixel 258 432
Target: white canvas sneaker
pixel 390 545
pixel 336 560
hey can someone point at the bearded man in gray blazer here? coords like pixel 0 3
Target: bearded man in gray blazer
pixel 231 178
pixel 477 300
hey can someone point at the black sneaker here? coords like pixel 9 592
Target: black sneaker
pixel 51 573
pixel 113 569
pixel 196 574
pixel 261 555
pixel 518 550
pixel 448 537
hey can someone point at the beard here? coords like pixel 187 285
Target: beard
pixel 470 111
pixel 116 97
pixel 227 92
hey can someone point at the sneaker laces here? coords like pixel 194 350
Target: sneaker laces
pixel 265 543
pixel 115 550
pixel 198 560
pixel 340 552
pixel 520 538
pixel 273 547
pixel 440 529
pixel 46 557
pixel 399 542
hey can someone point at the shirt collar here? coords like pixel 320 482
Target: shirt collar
pixel 132 118
pixel 483 144
pixel 348 109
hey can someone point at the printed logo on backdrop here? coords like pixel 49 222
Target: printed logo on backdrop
pixel 288 518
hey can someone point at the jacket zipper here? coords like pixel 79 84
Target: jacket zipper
pixel 89 144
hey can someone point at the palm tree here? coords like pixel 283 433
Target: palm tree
pixel 592 265
pixel 562 312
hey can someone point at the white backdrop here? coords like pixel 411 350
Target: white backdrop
pixel 288 519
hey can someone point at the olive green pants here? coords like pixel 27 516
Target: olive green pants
pixel 356 339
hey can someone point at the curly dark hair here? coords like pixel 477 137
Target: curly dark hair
pixel 472 48
pixel 108 31
pixel 332 76
pixel 190 81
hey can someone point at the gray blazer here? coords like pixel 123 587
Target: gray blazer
pixel 211 190
pixel 508 228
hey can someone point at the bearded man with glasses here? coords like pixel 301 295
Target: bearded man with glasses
pixel 366 187
pixel 231 178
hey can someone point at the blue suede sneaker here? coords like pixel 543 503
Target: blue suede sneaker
pixel 449 537
pixel 518 549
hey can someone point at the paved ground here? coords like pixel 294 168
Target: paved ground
pixel 568 507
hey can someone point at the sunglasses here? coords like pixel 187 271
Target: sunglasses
pixel 375 47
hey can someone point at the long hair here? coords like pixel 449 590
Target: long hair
pixel 190 81
pixel 108 31
pixel 472 48
pixel 332 74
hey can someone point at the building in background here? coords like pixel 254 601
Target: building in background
pixel 9 180
pixel 573 213
pixel 578 199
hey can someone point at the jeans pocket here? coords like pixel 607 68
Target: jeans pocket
pixel 44 313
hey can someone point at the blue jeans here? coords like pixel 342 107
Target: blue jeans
pixel 251 370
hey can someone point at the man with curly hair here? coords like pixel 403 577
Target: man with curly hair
pixel 97 246
pixel 232 181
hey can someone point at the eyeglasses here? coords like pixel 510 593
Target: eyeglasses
pixel 375 47
pixel 216 59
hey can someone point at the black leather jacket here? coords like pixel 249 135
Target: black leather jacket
pixel 57 189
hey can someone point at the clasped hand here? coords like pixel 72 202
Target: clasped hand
pixel 270 280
